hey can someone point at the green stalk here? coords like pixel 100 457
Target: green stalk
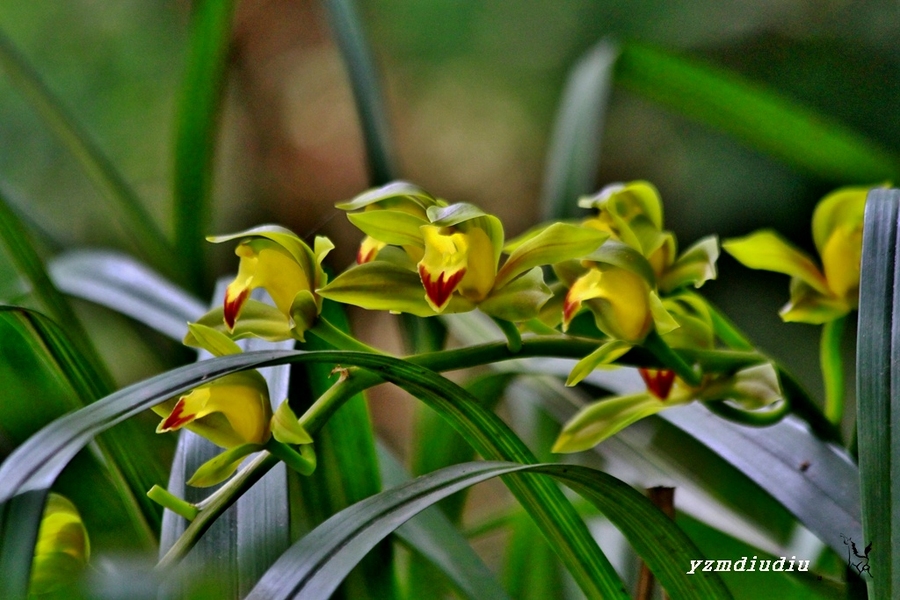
pixel 833 369
pixel 753 418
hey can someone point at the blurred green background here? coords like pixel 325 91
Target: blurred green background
pixel 472 88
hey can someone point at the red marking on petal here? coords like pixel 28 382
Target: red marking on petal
pixel 232 307
pixel 364 258
pixel 659 381
pixel 440 290
pixel 176 418
pixel 570 308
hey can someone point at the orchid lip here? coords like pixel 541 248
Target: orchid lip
pixel 232 307
pixel 441 289
pixel 176 418
pixel 659 381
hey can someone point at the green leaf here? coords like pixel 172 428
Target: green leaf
pixel 196 128
pixel 314 566
pixel 695 266
pixel 141 229
pixel 763 120
pixel 24 282
pixel 574 152
pixel 768 251
pixel 45 376
pixel 434 538
pixel 390 226
pixel 221 467
pixel 380 285
pixel 556 243
pixel 351 39
pixel 127 286
pixel 878 352
pixel 37 463
pixel 824 498
pixel 349 468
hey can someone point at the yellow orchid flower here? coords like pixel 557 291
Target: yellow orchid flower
pixel 231 411
pixel 276 260
pixel 451 261
pixel 817 295
pixel 619 298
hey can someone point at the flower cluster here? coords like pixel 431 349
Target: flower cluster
pixel 424 256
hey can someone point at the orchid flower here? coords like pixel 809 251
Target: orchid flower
pixel 450 260
pixel 817 295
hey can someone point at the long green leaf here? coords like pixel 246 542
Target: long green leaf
pixel 37 463
pixel 43 377
pixel 434 538
pixel 824 497
pixel 349 34
pixel 574 154
pixel 348 468
pixel 765 121
pixel 24 282
pixel 140 228
pixel 878 404
pixel 127 286
pixel 197 127
pixel 314 566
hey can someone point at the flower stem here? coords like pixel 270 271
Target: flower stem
pixel 754 418
pixel 167 499
pixel 509 329
pixel 832 369
pixel 672 360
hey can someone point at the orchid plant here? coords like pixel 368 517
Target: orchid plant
pixel 272 481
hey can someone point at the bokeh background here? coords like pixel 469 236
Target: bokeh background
pixel 472 88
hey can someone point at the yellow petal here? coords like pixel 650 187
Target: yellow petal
pixel 270 266
pixel 231 411
pixel 444 264
pixel 368 249
pixel 841 260
pixel 619 300
pixel 481 268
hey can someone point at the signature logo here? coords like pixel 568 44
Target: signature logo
pixel 862 565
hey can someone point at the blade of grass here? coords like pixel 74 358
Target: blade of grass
pixel 878 404
pixel 351 40
pixel 824 496
pixel 44 377
pixel 574 153
pixel 24 282
pixel 760 118
pixel 139 227
pixel 37 463
pixel 315 565
pixel 433 537
pixel 348 468
pixel 196 130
